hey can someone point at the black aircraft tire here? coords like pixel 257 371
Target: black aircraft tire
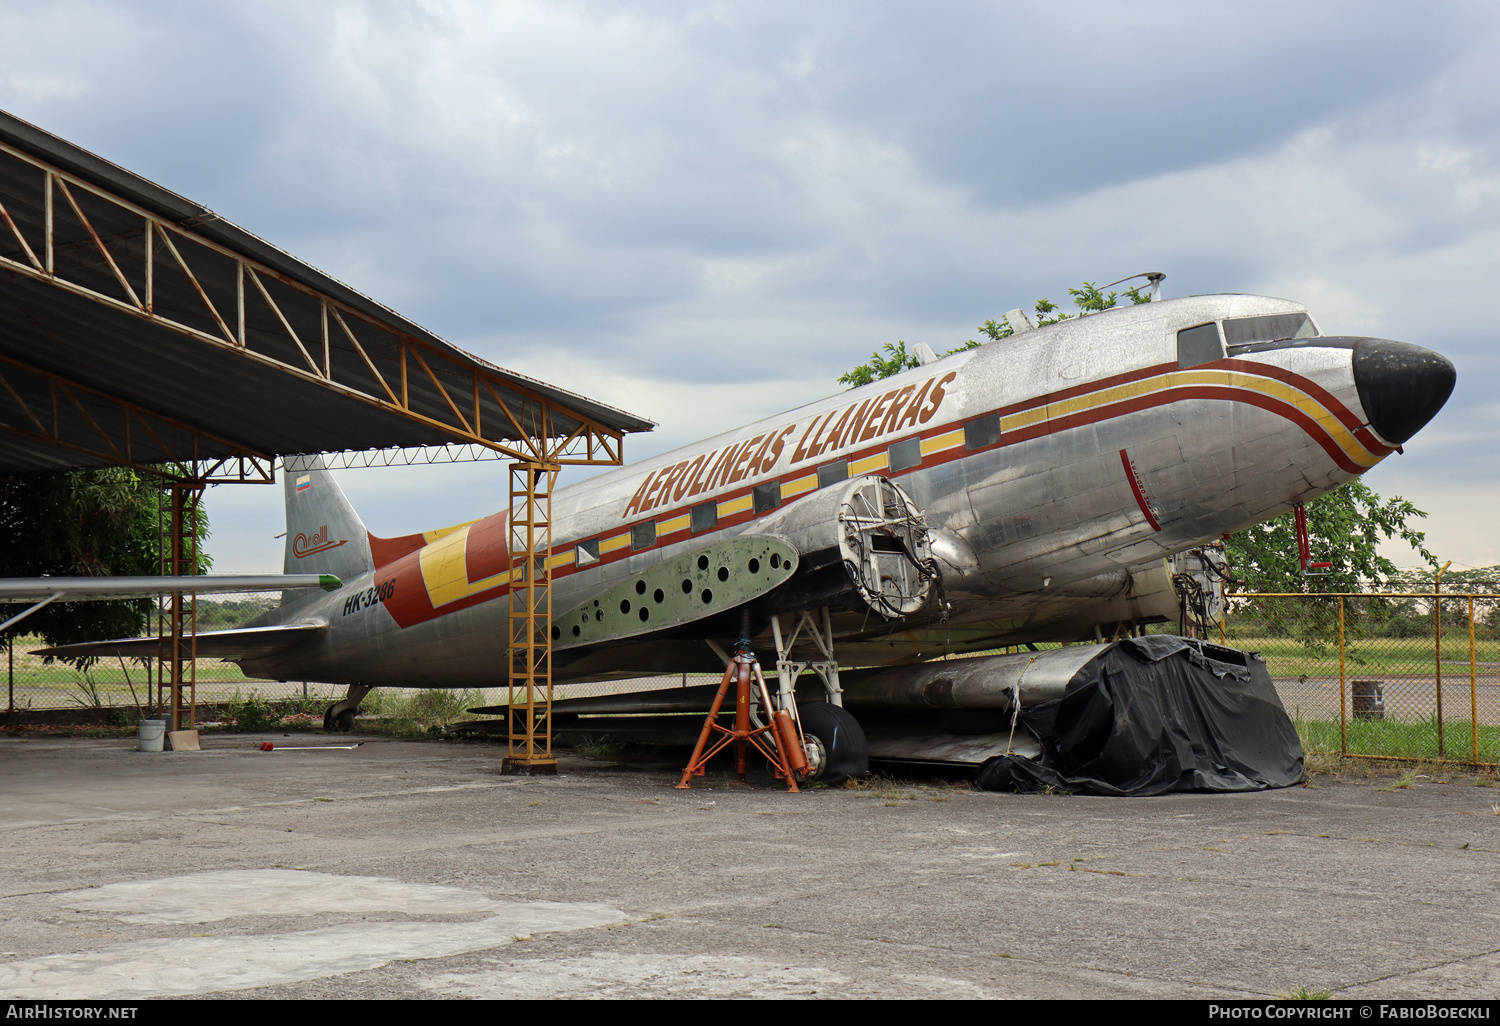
pixel 843 740
pixel 340 724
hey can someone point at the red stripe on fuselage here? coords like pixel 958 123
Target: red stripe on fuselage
pixel 412 605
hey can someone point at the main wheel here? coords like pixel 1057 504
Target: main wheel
pixel 341 723
pixel 846 753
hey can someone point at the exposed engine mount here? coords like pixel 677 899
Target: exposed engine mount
pixel 1198 577
pixel 884 544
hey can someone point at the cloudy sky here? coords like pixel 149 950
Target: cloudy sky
pixel 705 212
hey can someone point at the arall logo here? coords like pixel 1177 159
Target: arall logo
pixel 303 546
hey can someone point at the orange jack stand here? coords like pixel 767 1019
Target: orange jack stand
pixel 783 751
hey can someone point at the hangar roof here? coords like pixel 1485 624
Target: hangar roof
pixel 137 326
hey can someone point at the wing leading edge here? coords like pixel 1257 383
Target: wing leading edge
pixel 240 643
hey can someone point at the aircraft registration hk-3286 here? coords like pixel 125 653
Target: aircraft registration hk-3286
pixel 1062 484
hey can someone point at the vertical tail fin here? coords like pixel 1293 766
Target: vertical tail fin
pixel 323 533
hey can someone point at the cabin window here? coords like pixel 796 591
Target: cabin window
pixel 767 496
pixel 643 536
pixel 705 517
pixel 586 553
pixel 833 473
pixel 1199 345
pixel 905 454
pixel 1242 331
pixel 982 431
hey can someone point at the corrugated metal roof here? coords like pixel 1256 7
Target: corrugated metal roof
pixel 248 343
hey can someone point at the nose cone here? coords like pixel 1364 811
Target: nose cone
pixel 1401 386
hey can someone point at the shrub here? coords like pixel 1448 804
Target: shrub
pixel 251 714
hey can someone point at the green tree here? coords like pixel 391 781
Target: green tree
pixel 84 523
pixel 1344 528
pixel 1087 299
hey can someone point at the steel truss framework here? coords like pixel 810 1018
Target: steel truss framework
pixel 177 614
pixel 101 428
pixel 81 239
pixel 59 231
pixel 530 617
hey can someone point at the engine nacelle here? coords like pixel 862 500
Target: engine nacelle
pixel 870 528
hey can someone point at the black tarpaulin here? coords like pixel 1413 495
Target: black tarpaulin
pixel 1154 715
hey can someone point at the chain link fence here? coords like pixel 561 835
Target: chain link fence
pixel 123 689
pixel 130 687
pixel 1411 675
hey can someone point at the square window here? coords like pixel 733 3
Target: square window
pixel 767 496
pixel 833 473
pixel 905 454
pixel 586 553
pixel 643 536
pixel 1199 345
pixel 982 431
pixel 705 517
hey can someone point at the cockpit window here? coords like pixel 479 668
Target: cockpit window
pixel 1240 331
pixel 1199 345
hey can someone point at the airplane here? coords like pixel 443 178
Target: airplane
pixel 1063 484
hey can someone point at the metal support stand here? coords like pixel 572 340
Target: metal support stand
pixel 816 627
pixel 779 740
pixel 177 623
pixel 530 682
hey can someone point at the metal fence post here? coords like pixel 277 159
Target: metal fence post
pixel 1437 631
pixel 1473 688
pixel 1343 706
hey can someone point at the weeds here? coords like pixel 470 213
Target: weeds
pixel 599 748
pixel 1304 994
pixel 251 714
pixel 88 694
pixel 400 713
pixel 1401 783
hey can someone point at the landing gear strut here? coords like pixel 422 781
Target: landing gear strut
pixel 836 745
pixel 340 715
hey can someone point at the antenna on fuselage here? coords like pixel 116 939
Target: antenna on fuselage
pixel 1155 278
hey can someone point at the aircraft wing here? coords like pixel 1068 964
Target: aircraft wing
pixel 100 589
pixel 680 590
pixel 240 643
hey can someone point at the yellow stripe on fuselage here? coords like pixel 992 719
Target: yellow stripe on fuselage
pixel 729 507
pixel 1325 419
pixel 445 570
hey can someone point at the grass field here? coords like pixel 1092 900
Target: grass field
pixel 1401 740
pixel 1288 657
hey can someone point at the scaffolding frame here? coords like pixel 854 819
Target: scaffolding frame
pixel 529 684
pixel 176 613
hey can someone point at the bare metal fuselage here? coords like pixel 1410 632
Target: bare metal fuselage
pixel 1061 466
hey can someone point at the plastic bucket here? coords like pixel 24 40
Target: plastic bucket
pixel 151 732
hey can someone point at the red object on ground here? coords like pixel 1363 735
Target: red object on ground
pixel 266 746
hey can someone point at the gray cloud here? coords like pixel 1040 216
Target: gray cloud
pixel 647 198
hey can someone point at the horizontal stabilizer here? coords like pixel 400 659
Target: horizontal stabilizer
pixel 240 643
pixel 88 589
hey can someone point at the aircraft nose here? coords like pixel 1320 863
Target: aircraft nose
pixel 1401 386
